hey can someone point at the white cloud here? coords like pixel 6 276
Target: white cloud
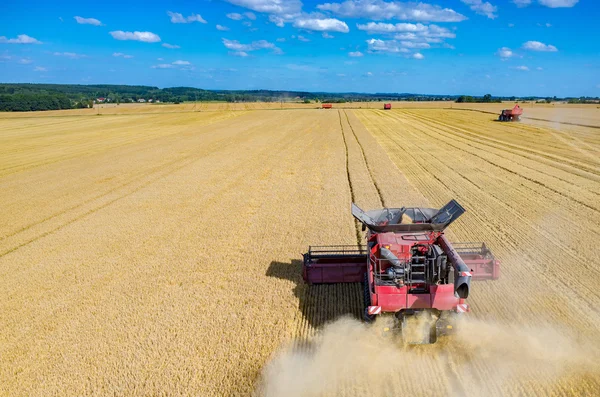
pixel 548 3
pixel 235 16
pixel 539 68
pixel 418 55
pixel 356 54
pixel 522 3
pixel 71 55
pixel 327 35
pixel 163 66
pixel 250 15
pixel 538 46
pixel 410 31
pixel 146 37
pixel 270 6
pixel 325 24
pixel 171 46
pixel 411 44
pixel 511 25
pixel 482 8
pixel 222 28
pixel 241 49
pixel 558 3
pixel 387 46
pixel 25 61
pixel 523 68
pixel 160 59
pixel 341 75
pixel 20 39
pixel 181 63
pixel 280 40
pixel 302 38
pixel 369 74
pixel 88 21
pixel 382 10
pixel 239 53
pixel 121 55
pixel 505 53
pixel 40 69
pixel 247 23
pixel 179 18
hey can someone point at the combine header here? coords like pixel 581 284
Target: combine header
pixel 408 268
pixel 513 114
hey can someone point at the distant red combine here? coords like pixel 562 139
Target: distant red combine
pixel 513 114
pixel 327 106
pixel 387 106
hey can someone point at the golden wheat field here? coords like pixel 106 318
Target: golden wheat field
pixel 156 250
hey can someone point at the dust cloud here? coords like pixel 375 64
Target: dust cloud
pixel 352 358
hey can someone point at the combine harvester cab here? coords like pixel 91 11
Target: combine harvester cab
pixel 408 268
pixel 513 114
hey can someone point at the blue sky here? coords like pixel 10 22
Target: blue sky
pixel 502 47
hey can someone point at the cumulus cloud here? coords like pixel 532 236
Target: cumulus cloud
pixel 386 46
pixel 280 40
pixel 121 55
pixel 523 68
pixel 171 46
pixel 410 32
pixel 418 56
pixel 558 3
pixel 505 53
pixel 539 68
pixel 250 15
pixel 240 49
pixel 71 55
pixel 222 28
pixel 146 37
pixel 270 6
pixel 235 16
pixel 88 21
pixel 382 10
pixel 183 65
pixel 25 61
pixel 40 69
pixel 179 62
pixel 327 35
pixel 302 38
pixel 325 24
pixel 179 18
pixel 20 39
pixel 539 46
pixel 548 3
pixel 482 8
pixel 356 54
pixel 163 66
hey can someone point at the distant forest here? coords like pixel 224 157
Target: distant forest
pixel 28 97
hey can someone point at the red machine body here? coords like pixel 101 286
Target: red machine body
pixel 406 266
pixel 387 106
pixel 513 114
pixel 327 106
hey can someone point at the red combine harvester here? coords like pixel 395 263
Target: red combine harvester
pixel 387 106
pixel 408 268
pixel 327 106
pixel 513 114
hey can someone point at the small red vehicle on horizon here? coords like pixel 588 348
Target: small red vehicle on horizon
pixel 513 114
pixel 327 106
pixel 387 106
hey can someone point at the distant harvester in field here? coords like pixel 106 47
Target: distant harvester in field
pixel 387 106
pixel 513 114
pixel 327 106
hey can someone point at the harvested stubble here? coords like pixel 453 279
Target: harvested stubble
pixel 159 253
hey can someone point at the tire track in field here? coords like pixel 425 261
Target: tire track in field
pixel 364 157
pixel 461 149
pixel 352 196
pixel 155 174
pixel 35 164
pixel 129 181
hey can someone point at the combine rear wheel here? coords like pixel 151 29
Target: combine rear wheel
pixel 368 318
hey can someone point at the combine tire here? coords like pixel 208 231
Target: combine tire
pixel 368 318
